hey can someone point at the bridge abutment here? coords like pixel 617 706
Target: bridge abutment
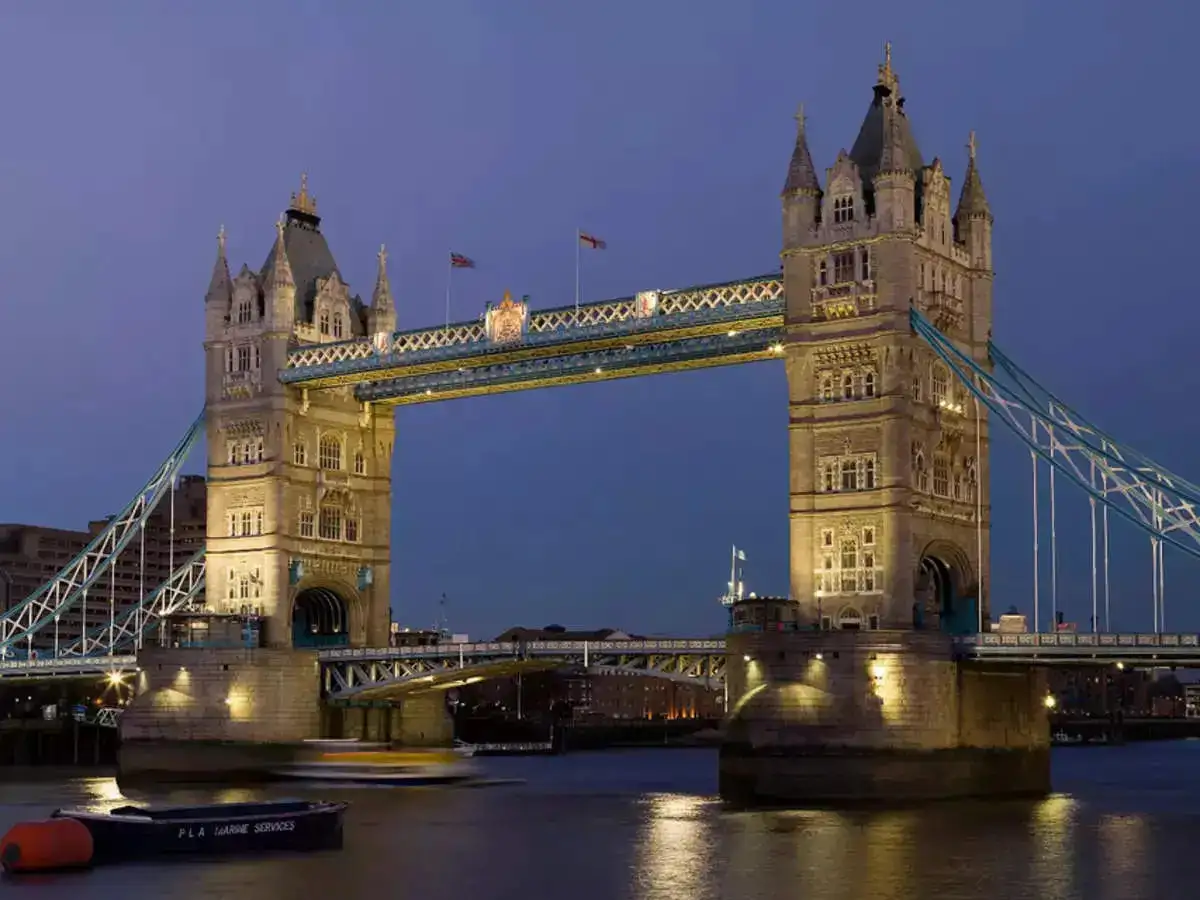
pixel 877 717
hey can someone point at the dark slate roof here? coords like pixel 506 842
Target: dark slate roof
pixel 802 174
pixel 972 201
pixel 310 259
pixel 868 149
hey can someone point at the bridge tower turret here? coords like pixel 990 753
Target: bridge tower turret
pixel 299 482
pixel 888 530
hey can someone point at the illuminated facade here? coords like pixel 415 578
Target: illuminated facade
pixel 299 501
pixel 888 526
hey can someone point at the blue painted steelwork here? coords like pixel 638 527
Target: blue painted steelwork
pixel 1157 501
pixel 65 589
pixel 1082 649
pixel 180 590
pixel 359 357
pixel 610 362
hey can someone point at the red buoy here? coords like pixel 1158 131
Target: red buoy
pixel 46 846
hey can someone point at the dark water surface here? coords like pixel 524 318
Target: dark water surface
pixel 645 824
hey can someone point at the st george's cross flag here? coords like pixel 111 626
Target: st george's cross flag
pixel 591 241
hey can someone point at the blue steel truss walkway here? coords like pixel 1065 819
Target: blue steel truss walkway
pixel 513 348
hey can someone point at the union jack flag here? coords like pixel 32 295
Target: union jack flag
pixel 458 261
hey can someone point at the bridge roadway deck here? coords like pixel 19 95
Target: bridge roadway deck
pixel 684 658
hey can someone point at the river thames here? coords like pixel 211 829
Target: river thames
pixel 1124 824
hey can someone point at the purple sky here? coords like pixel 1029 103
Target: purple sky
pixel 496 129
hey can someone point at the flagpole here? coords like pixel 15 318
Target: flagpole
pixel 449 277
pixel 578 241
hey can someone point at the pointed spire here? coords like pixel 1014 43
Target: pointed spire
pixel 802 174
pixel 972 201
pixel 279 273
pixel 887 75
pixel 893 155
pixel 382 315
pixel 381 299
pixel 220 287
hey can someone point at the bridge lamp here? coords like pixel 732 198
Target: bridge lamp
pixel 598 370
pixel 777 348
pixel 878 671
pixel 115 679
pixel 1050 702
pixel 820 656
pixel 1120 666
pixel 733 333
pixel 745 657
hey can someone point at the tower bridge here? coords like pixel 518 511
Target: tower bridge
pixel 881 319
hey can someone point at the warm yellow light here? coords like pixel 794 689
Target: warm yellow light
pixel 733 334
pixel 1050 701
pixel 1120 665
pixel 746 657
pixel 115 679
pixel 878 671
pixel 820 656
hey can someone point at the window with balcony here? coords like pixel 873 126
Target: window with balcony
pixel 244 452
pixel 843 267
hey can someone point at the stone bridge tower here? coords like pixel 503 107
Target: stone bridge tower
pixel 888 456
pixel 299 482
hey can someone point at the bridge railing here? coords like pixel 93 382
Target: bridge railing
pixel 66 665
pixel 537 648
pixel 1081 641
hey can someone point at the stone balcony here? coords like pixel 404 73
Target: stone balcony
pixel 843 301
pixel 944 310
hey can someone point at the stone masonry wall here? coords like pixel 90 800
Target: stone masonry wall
pixel 262 695
pixel 877 690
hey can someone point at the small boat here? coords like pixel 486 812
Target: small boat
pixel 79 838
pixel 404 767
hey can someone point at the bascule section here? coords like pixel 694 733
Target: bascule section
pixel 299 496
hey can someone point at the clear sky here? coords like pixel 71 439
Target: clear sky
pixel 495 129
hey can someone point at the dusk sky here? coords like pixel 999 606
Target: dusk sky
pixel 495 130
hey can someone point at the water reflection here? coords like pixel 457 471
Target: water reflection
pixel 675 851
pixel 644 826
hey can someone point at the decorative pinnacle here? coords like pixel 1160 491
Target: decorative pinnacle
pixel 971 146
pixel 800 120
pixel 221 240
pixel 279 225
pixel 887 76
pixel 382 255
pixel 303 202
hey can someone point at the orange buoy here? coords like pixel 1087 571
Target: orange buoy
pixel 47 845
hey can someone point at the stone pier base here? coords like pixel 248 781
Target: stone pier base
pixel 234 715
pixel 872 717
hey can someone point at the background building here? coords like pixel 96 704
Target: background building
pixel 30 555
